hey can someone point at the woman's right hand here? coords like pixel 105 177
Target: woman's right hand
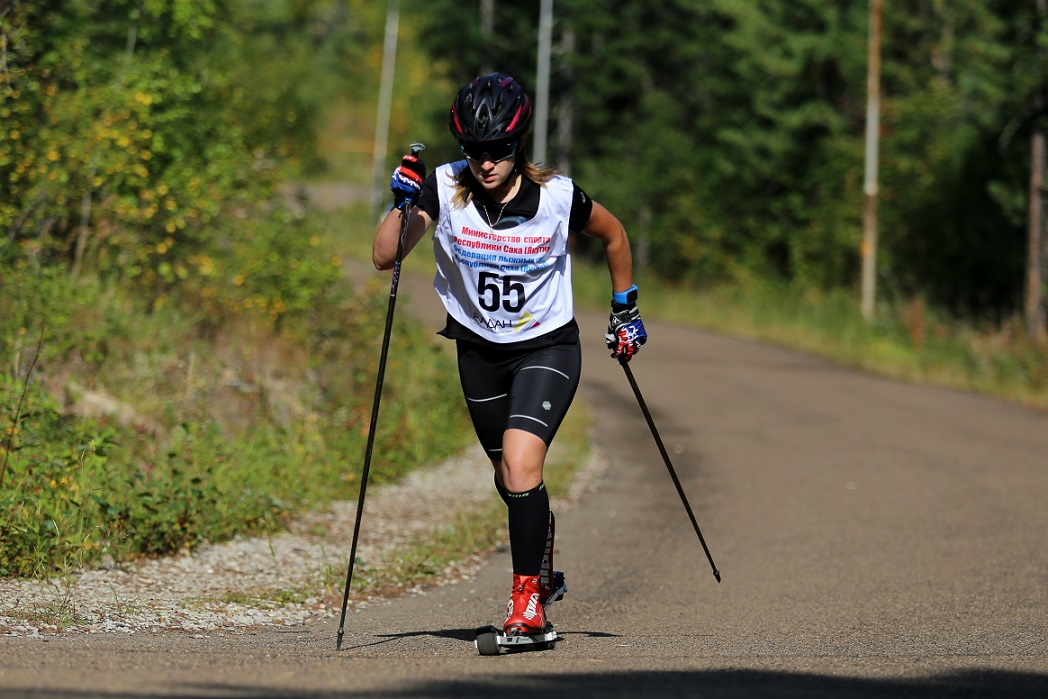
pixel 407 181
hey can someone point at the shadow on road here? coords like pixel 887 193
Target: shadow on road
pixel 737 683
pixel 743 684
pixel 466 635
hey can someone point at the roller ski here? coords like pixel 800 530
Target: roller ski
pixel 526 626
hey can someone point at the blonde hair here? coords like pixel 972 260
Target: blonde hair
pixel 464 181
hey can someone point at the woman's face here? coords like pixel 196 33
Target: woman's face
pixel 492 176
pixel 492 163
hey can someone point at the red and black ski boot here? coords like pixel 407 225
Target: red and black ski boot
pixel 524 614
pixel 526 626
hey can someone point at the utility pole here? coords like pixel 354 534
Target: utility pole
pixel 542 81
pixel 566 103
pixel 385 104
pixel 1035 233
pixel 873 126
pixel 1034 306
pixel 487 32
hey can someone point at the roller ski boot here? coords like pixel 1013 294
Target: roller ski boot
pixel 526 626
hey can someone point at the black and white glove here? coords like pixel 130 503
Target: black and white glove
pixel 407 181
pixel 625 328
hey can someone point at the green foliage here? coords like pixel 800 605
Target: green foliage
pixel 197 450
pixel 147 265
pixel 213 416
pixel 950 98
pixel 129 128
pixel 183 357
pixel 42 496
pixel 104 151
pixel 742 153
pixel 728 136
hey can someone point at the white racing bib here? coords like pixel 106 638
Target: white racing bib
pixel 506 285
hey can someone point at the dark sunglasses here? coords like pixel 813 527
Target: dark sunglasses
pixel 496 151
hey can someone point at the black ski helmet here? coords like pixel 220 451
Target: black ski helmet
pixel 490 108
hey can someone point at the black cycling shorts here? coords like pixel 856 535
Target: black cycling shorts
pixel 525 389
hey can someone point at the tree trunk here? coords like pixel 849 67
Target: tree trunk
pixel 1035 316
pixel 873 110
pixel 1035 307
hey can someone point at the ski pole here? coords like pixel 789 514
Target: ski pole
pixel 405 215
pixel 669 465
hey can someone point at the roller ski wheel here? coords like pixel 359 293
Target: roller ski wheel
pixel 491 640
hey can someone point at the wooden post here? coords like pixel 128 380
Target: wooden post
pixel 1034 302
pixel 873 125
pixel 1034 306
pixel 487 32
pixel 542 70
pixel 379 176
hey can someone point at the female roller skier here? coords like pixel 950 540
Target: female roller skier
pixel 504 276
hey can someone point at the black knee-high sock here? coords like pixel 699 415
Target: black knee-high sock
pixel 528 526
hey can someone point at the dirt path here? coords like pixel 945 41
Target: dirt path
pixel 876 539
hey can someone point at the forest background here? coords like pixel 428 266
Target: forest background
pixel 184 358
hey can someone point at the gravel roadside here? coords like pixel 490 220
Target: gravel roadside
pixel 288 579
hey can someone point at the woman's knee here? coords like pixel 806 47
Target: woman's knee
pixel 523 455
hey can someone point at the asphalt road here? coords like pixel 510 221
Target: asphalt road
pixel 875 539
